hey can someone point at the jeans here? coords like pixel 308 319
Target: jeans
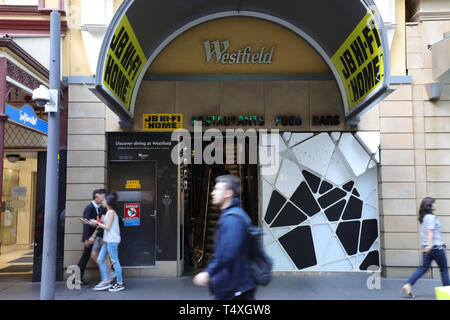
pixel 110 248
pixel 438 255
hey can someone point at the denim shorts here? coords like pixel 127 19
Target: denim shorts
pixel 97 245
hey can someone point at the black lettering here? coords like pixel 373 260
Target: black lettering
pixel 115 39
pixel 354 87
pixel 349 61
pixel 367 72
pixel 361 46
pixel 121 45
pixel 369 38
pixel 315 120
pixel 357 52
pixel 360 82
pixel 345 71
pixel 128 56
pixel 336 120
pixel 135 66
pixel 113 80
pixel 108 71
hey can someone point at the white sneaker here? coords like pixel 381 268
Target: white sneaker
pixel 117 287
pixel 102 286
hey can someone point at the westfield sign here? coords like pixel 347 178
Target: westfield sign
pixel 242 56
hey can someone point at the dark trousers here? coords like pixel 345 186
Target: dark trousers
pixel 84 260
pixel 247 295
pixel 438 255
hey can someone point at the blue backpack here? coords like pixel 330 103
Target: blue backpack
pixel 260 263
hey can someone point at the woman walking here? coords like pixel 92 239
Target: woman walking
pixel 432 244
pixel 111 240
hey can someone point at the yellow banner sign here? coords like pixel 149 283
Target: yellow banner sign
pixel 124 62
pixel 162 121
pixel 359 61
pixel 133 184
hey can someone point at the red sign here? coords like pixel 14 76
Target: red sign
pixel 132 214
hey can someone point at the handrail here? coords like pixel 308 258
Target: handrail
pixel 205 220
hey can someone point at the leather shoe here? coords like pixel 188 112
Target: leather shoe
pixel 83 283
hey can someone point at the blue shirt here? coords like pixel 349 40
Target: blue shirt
pixel 431 222
pixel 229 269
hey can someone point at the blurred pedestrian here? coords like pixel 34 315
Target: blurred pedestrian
pixel 90 212
pixel 433 248
pixel 228 274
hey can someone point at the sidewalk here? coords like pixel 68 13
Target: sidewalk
pixel 347 286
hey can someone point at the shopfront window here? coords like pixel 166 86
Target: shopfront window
pixel 17 218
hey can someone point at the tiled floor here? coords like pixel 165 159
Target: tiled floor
pixel 7 260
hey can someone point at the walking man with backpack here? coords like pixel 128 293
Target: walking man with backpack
pixel 229 275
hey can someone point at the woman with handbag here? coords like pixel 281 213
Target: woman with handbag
pixel 432 245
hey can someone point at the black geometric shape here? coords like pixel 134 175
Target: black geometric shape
pixel 331 197
pixel 348 186
pixel 289 216
pixel 355 192
pixel 304 199
pixel 369 233
pixel 325 186
pixel 313 181
pixel 334 212
pixel 353 209
pixel 348 234
pixel 299 245
pixel 372 259
pixel 275 204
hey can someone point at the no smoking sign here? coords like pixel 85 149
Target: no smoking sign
pixel 132 214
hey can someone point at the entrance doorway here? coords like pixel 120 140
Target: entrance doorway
pixel 17 216
pixel 135 186
pixel 201 216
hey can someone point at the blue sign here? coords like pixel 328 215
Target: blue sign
pixel 26 117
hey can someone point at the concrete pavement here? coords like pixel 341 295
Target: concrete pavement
pixel 330 286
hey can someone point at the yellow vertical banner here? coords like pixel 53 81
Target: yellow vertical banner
pixel 359 61
pixel 124 62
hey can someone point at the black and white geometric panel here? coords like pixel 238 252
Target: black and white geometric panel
pixel 320 204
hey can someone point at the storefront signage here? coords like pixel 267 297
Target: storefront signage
pixel 326 120
pixel 356 51
pixel 162 121
pixel 245 55
pixel 360 62
pixel 19 191
pixel 217 120
pixel 133 184
pixel 288 120
pixel 124 62
pixel 26 117
pixel 132 214
pixel 146 146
